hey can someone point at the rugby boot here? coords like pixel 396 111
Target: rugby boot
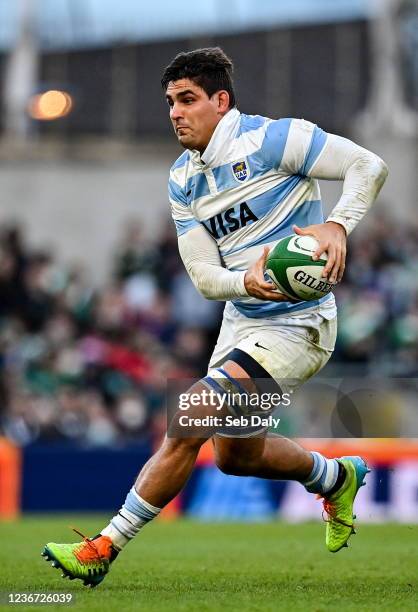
pixel 338 507
pixel 88 560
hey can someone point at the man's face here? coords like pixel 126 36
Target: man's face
pixel 193 114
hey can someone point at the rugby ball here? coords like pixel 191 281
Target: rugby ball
pixel 291 268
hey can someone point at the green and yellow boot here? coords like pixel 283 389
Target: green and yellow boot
pixel 88 560
pixel 339 506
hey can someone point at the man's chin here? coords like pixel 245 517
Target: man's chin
pixel 186 142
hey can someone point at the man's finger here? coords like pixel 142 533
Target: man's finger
pixel 322 248
pixel 266 252
pixel 302 231
pixel 268 286
pixel 342 265
pixel 341 272
pixel 274 296
pixel 261 261
pixel 330 262
pixel 335 268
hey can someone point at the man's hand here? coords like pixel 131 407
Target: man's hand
pixel 332 240
pixel 257 286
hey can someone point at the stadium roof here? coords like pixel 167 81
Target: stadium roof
pixel 83 23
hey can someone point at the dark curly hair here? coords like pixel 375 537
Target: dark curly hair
pixel 209 68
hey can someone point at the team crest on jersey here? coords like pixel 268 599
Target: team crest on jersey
pixel 240 171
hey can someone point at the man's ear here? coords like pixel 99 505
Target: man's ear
pixel 223 101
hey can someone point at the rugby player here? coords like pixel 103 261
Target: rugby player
pixel 242 183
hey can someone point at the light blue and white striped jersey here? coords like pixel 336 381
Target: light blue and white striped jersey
pixel 248 188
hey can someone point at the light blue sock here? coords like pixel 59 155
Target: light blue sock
pixel 134 514
pixel 323 476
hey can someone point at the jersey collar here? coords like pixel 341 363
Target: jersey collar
pixel 222 139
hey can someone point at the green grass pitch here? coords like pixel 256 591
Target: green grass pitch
pixel 185 565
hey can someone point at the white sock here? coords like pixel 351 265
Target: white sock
pixel 134 514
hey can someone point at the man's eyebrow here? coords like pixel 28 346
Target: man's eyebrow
pixel 185 92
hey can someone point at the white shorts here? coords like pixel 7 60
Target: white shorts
pixel 291 349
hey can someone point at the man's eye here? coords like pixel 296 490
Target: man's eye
pixel 188 100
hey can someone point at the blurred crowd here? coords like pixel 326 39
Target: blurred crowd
pixel 378 301
pixel 89 365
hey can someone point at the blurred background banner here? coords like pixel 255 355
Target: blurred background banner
pixel 58 478
pixel 96 310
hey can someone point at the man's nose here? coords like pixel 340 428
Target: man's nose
pixel 175 112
